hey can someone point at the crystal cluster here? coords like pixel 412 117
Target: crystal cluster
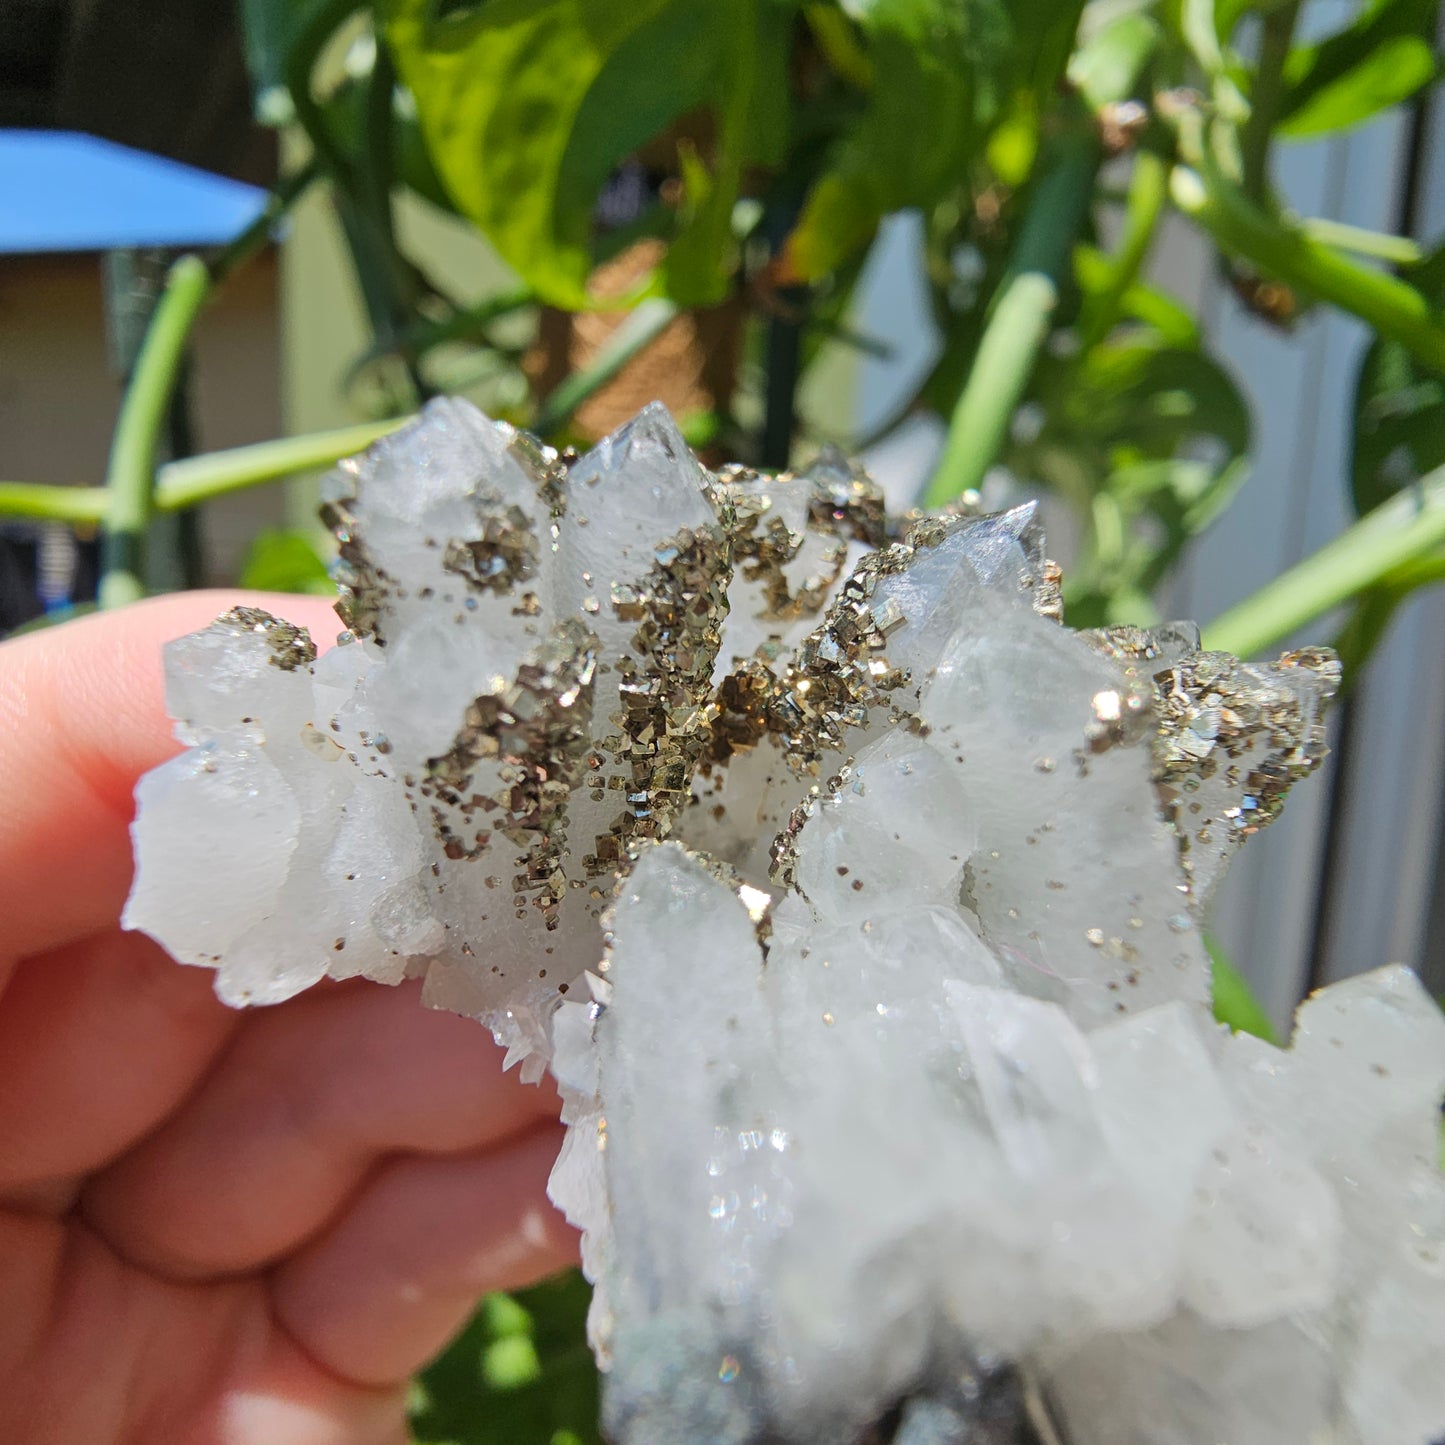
pixel 854 902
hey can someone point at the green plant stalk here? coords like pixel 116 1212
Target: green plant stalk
pixel 1148 191
pixel 1276 36
pixel 237 252
pixel 380 171
pixel 322 21
pixel 130 473
pixel 465 325
pixel 79 506
pixel 1021 315
pixel 1409 525
pixel 198 479
pixel 1397 250
pixel 186 483
pixel 641 328
pixel 1376 609
pixel 1239 228
pixel 833 32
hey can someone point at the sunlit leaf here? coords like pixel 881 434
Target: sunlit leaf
pixel 280 561
pixel 1167 317
pixel 1108 67
pixel 1391 73
pixel 936 66
pixel 1234 1000
pixel 519 1374
pixel 1381 59
pixel 528 108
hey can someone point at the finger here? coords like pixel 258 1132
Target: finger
pixel 309 1097
pixel 82 716
pixel 105 1354
pixel 397 1275
pixel 286 1398
pixel 99 1042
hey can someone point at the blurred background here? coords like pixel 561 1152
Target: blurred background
pixel 821 262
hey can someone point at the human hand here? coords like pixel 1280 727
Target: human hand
pixel 217 1228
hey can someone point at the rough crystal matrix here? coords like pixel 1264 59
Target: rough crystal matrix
pixel 853 902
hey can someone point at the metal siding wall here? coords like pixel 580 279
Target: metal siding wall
pixel 1389 864
pixel 1301 389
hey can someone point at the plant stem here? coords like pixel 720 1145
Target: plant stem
pixel 1392 307
pixel 1022 312
pixel 783 320
pixel 1376 608
pixel 286 193
pixel 77 505
pixel 1148 190
pixel 1276 36
pixel 1397 250
pixel 185 483
pixel 130 473
pixel 1409 525
pixel 468 324
pixel 321 22
pixel 197 479
pixel 833 32
pixel 379 173
pixel 471 322
pixel 641 328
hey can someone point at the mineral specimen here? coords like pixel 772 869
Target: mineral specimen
pixel 853 902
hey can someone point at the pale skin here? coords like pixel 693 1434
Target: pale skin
pixel 218 1228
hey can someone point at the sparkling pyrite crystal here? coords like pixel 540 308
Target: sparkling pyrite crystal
pixel 853 901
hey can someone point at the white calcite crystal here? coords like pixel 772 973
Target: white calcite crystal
pixel 853 902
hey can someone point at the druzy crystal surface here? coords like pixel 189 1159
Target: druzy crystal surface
pixel 853 900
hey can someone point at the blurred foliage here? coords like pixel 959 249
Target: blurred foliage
pixel 286 561
pixel 519 1374
pixel 756 146
pixel 1234 1002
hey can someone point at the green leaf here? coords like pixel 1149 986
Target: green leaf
pixel 1383 58
pixel 838 41
pixel 519 1374
pixel 936 67
pixel 1161 313
pixel 1399 424
pixel 1399 432
pixel 268 28
pixel 1234 1001
pixel 1152 400
pixel 1148 441
pixel 1375 609
pixel 1034 50
pixel 528 107
pixel 344 113
pixel 286 562
pixel 1108 67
